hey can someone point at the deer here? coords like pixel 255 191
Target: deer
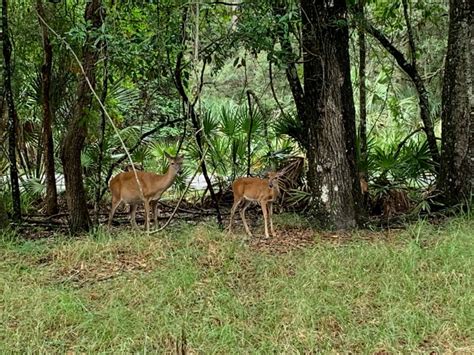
pixel 124 188
pixel 253 189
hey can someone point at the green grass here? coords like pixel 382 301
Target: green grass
pixel 196 288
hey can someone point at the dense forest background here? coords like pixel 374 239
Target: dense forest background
pixel 375 95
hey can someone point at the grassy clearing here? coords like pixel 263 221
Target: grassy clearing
pixel 197 289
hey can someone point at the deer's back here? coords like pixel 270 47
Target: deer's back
pixel 253 188
pixel 124 185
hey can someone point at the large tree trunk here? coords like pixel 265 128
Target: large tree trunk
pixel 471 97
pixel 46 72
pixel 457 173
pixel 77 129
pixel 12 116
pixel 329 113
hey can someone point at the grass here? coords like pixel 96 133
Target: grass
pixel 196 289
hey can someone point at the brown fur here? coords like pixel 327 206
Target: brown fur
pixel 124 188
pixel 251 189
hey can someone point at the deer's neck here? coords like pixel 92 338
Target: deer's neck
pixel 274 187
pixel 169 177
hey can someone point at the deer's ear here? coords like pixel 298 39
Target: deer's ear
pixel 180 158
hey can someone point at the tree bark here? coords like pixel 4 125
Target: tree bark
pixel 103 121
pixel 46 73
pixel 362 95
pixel 12 115
pixel 249 135
pixel 457 173
pixel 3 217
pixel 329 112
pixel 77 129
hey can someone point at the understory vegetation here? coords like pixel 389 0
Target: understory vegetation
pixel 236 89
pixel 195 289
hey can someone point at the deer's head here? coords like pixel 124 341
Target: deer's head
pixel 175 162
pixel 273 177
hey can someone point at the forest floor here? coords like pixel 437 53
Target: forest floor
pixel 194 289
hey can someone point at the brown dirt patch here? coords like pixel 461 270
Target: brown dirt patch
pixel 286 240
pixel 100 270
pixel 289 239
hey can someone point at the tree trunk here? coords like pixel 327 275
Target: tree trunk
pixel 362 96
pixel 329 113
pixel 471 97
pixel 46 72
pixel 457 173
pixel 3 217
pixel 12 116
pixel 249 135
pixel 190 106
pixel 77 129
pixel 103 98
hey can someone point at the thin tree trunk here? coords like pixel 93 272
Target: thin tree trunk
pixel 46 72
pixel 3 217
pixel 362 96
pixel 77 129
pixel 249 134
pixel 102 136
pixel 12 115
pixel 456 177
pixel 193 115
pixel 265 116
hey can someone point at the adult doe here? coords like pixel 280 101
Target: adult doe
pixel 124 188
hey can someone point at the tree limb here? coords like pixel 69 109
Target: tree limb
pixel 411 40
pixel 412 72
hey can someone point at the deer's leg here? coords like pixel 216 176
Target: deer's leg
pixel 232 213
pixel 270 217
pixel 147 215
pixel 115 204
pixel 242 214
pixel 263 204
pixel 133 220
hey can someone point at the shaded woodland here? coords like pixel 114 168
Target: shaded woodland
pixel 367 106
